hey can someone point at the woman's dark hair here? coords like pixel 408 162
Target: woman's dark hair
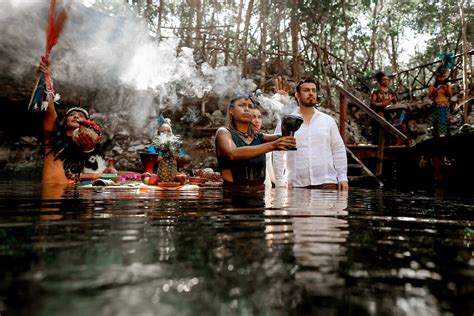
pixel 230 119
pixel 441 71
pixel 379 76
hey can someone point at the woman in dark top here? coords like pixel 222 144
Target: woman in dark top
pixel 241 152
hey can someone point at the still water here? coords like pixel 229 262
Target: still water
pixel 105 251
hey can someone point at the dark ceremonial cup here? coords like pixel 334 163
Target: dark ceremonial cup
pixel 289 125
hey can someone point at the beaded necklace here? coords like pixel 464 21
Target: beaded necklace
pixel 243 134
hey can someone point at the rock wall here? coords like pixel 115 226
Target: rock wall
pixel 122 142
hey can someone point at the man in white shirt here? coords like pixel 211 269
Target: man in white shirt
pixel 320 160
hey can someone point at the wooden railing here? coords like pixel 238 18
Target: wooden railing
pixel 383 123
pixel 419 78
pixel 406 82
pixel 385 126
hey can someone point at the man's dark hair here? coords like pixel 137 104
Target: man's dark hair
pixel 306 80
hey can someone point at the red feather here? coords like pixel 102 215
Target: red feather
pixel 56 23
pixel 55 26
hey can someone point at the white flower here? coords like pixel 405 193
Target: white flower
pixel 167 142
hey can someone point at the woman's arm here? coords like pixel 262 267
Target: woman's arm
pixel 226 146
pixel 270 137
pixel 449 91
pixel 432 90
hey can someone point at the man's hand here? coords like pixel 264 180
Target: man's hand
pixel 343 186
pixel 281 183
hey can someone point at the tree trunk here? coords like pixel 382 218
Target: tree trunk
pixel 207 48
pixel 248 16
pixel 199 17
pixel 189 25
pixel 295 29
pixel 160 19
pixel 346 32
pixel 237 31
pixel 227 46
pixel 148 10
pixel 373 37
pixel 323 37
pixel 263 41
pixel 464 60
pixel 394 46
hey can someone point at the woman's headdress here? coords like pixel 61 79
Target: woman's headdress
pixel 162 120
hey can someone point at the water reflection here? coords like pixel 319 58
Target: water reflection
pixel 403 249
pixel 317 226
pixel 307 252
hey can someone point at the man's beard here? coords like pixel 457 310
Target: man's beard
pixel 308 104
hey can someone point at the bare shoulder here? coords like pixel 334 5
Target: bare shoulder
pixel 221 131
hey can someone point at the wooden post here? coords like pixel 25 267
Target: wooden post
pixel 380 153
pixel 203 108
pixel 464 60
pixel 342 116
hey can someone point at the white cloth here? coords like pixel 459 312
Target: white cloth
pixel 269 174
pixel 320 158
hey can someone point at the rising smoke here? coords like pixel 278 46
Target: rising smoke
pixel 110 60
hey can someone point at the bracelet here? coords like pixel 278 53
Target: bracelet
pixel 88 151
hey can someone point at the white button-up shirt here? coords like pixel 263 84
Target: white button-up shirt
pixel 320 156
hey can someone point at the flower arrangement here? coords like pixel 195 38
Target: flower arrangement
pixel 167 143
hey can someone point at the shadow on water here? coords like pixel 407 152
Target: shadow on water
pixel 105 251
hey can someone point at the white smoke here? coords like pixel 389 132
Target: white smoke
pixel 107 55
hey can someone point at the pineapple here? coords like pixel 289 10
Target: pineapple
pixel 167 145
pixel 168 167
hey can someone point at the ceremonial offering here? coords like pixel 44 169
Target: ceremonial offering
pixel 167 145
pixel 197 180
pixel 181 178
pixel 289 125
pixel 151 179
pixel 148 161
pixel 89 176
pixel 169 184
pixel 109 176
pixel 208 174
pixel 87 129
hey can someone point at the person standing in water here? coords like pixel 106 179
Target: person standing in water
pixel 241 151
pixel 320 161
pixel 257 123
pixel 67 150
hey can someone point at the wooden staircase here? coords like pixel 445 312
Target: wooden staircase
pixel 368 155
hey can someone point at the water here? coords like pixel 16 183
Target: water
pixel 295 252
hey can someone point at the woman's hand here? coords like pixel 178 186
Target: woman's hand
pixel 283 143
